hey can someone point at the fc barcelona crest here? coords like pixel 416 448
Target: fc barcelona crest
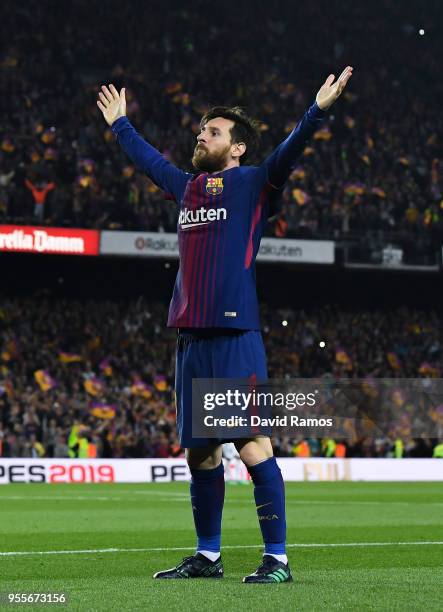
pixel 214 186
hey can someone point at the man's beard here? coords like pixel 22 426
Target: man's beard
pixel 209 162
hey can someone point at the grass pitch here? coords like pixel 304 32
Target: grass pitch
pixel 353 546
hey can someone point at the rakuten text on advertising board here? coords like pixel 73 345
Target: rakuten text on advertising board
pixel 139 244
pixel 48 240
pixel 296 251
pixel 152 244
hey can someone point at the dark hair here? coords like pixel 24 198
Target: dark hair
pixel 244 129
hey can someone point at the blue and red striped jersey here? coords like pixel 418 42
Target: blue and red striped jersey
pixel 220 224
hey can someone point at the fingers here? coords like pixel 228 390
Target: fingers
pixel 103 99
pixel 110 102
pixel 330 80
pixel 345 75
pixel 113 91
pixel 344 78
pixel 111 94
pixel 108 95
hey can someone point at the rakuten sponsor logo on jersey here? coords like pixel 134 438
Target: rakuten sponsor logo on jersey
pixel 48 240
pixel 190 218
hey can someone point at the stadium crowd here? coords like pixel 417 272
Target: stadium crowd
pixel 85 378
pixel 374 169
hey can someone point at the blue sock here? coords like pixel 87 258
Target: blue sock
pixel 269 493
pixel 207 498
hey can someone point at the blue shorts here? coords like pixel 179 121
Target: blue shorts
pixel 213 353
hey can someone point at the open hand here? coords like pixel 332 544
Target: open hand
pixel 330 91
pixel 112 104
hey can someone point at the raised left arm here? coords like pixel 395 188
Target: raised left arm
pixel 282 160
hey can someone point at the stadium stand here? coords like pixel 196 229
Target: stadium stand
pixel 371 177
pixel 368 173
pixel 97 377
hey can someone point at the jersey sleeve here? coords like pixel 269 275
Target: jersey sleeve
pixel 164 174
pixel 281 162
pixel 266 194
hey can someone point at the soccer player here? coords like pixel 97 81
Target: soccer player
pixel 223 207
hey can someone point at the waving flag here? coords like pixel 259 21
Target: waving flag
pixel 308 151
pixel 44 380
pixel 141 389
pixel 87 165
pixel 298 173
pixel 173 87
pixel 393 361
pixel 160 382
pixel 323 134
pixel 85 181
pixel 342 357
pixel 7 145
pixel 69 357
pixel 354 188
pixel 300 196
pixel 427 369
pixel 378 192
pixel 93 386
pixel 48 136
pixel 365 159
pixel 102 410
pixel 106 367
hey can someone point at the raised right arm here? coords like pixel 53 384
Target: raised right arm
pixel 167 176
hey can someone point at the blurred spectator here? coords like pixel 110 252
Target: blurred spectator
pixel 40 193
pixel 60 448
